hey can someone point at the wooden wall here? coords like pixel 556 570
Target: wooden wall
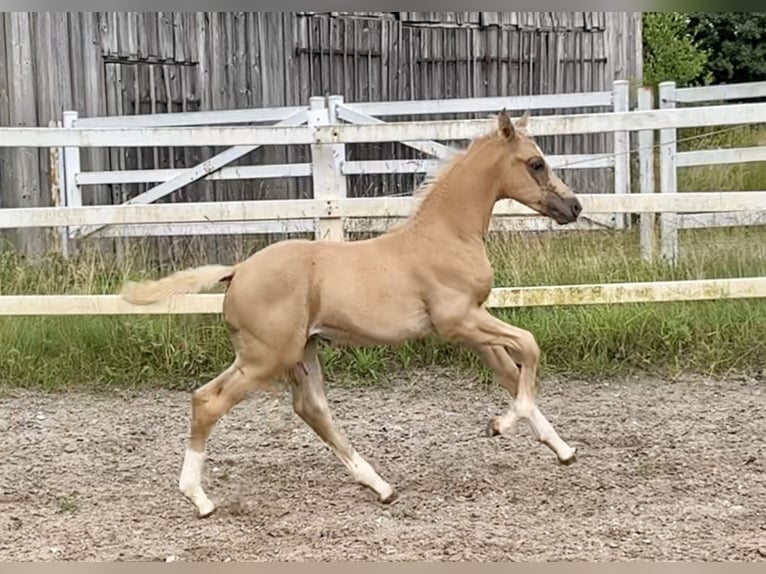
pixel 115 63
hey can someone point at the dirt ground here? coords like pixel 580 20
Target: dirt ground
pixel 665 471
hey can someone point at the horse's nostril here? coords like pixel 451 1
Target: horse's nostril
pixel 576 208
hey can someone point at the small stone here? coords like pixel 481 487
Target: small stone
pixel 40 417
pixel 171 558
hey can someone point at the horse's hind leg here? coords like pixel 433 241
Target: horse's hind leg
pixel 310 404
pixel 209 403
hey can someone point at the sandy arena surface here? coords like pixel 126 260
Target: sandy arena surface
pixel 666 470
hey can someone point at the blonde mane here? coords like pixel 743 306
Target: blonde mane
pixel 434 177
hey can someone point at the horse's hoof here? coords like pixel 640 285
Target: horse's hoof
pixel 205 510
pixel 493 427
pixel 386 500
pixel 571 460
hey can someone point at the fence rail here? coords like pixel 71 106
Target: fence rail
pixel 368 207
pixel 636 120
pixel 501 297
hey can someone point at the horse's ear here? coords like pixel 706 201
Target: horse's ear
pixel 523 120
pixel 505 126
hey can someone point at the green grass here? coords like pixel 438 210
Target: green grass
pixel 102 352
pixel 712 337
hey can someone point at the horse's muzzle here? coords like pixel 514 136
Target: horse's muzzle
pixel 564 210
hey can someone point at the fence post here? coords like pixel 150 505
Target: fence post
pixel 621 103
pixel 646 175
pixel 668 221
pixel 328 181
pixel 57 197
pixel 71 155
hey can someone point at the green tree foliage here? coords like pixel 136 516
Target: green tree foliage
pixel 671 53
pixel 735 42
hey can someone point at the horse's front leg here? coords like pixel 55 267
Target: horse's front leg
pixel 514 357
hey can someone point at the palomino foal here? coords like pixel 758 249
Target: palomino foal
pixel 428 276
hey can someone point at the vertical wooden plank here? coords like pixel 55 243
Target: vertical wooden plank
pixel 520 62
pixel 24 172
pixel 6 154
pixel 505 68
pixel 89 72
pixel 411 44
pixel 646 175
pixel 668 174
pixel 533 67
pixel 384 61
pixel 217 80
pixel 292 154
pixel 126 99
pixel 54 87
pixel 108 40
pixel 621 151
pixel 46 98
pixel 460 56
pixel 253 59
pixel 491 67
pixel 201 26
pixel 240 97
pixel 328 181
pixel 278 188
pixel 636 48
pixel 612 64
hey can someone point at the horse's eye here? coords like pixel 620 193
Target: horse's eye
pixel 537 165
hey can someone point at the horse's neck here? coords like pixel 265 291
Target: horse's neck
pixel 462 199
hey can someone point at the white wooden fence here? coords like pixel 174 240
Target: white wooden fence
pixel 332 209
pixel 328 167
pixel 671 160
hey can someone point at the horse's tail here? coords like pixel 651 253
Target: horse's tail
pixel 182 282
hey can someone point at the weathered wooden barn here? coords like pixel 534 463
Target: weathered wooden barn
pixel 115 63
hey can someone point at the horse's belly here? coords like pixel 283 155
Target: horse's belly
pixel 383 325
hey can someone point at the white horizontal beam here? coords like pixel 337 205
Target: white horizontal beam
pixel 606 122
pixel 218 117
pixel 721 92
pixel 571 161
pixel 15 305
pixel 269 171
pixel 389 166
pixel 489 105
pixel 385 132
pixel 379 225
pixel 196 136
pixel 275 171
pixel 500 223
pixel 501 297
pixel 708 220
pixel 212 228
pixel 21 217
pixel 613 293
pixel 721 156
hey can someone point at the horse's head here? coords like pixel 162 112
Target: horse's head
pixel 527 177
